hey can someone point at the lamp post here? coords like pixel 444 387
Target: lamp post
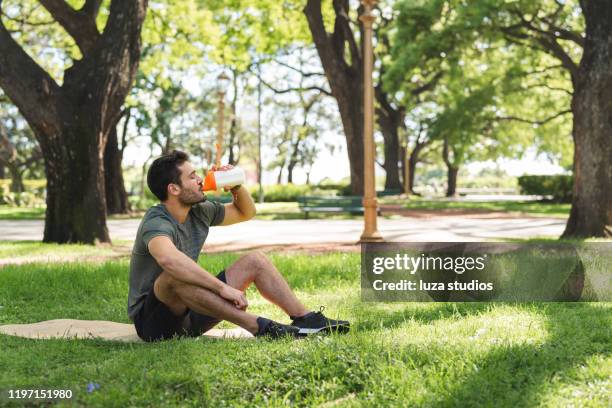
pixel 370 232
pixel 222 84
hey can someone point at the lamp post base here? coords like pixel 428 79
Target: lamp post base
pixel 371 237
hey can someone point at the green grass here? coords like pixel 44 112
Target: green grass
pixel 532 208
pixel 410 354
pixel 12 252
pixel 291 211
pixel 21 213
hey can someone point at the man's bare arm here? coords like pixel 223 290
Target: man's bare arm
pixel 241 209
pixel 184 269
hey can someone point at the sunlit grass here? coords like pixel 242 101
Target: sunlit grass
pixel 531 208
pixel 397 354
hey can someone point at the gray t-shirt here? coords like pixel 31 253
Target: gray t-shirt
pixel 188 237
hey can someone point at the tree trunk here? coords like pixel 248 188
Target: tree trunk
pixel 72 121
pixel 452 170
pixel 293 159
pixel 451 188
pixel 389 129
pixel 233 159
pixel 143 178
pixel 2 173
pixel 389 122
pixel 76 205
pixel 116 196
pixel 279 178
pixel 412 162
pixel 345 79
pixel 591 212
pixel 16 179
pixel 414 159
pixel 290 173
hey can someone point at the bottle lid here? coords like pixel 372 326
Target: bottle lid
pixel 209 182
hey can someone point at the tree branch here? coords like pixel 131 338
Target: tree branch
pixel 428 85
pixel 552 88
pixel 25 83
pixel 81 26
pixel 127 114
pixel 547 39
pixel 91 8
pixel 302 73
pixel 283 91
pixel 534 122
pixel 344 33
pixel 113 62
pixel 301 89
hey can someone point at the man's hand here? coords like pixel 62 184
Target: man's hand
pixel 235 296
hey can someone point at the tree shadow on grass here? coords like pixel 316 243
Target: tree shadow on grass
pixel 510 374
pixel 515 375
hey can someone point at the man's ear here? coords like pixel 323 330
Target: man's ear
pixel 173 189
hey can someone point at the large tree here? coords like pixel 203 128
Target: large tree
pixel 342 59
pixel 72 121
pixel 572 34
pixel 591 212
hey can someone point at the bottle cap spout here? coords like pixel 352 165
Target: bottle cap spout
pixel 209 182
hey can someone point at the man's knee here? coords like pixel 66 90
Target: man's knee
pixel 257 259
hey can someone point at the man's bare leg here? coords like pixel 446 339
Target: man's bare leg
pixel 179 296
pixel 256 268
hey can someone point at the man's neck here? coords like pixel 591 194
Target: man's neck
pixel 177 210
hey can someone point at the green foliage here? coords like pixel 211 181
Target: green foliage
pixel 248 29
pixel 282 192
pixel 32 197
pixel 527 208
pixel 558 186
pixel 496 95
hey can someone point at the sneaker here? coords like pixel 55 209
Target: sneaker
pixel 316 322
pixel 274 330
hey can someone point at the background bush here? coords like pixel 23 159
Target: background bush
pixel 33 196
pixel 558 186
pixel 281 192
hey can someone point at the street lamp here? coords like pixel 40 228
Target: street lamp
pixel 370 232
pixel 222 84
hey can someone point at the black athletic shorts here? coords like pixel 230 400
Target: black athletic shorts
pixel 155 321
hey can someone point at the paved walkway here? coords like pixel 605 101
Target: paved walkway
pixel 259 232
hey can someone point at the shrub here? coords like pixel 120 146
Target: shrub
pixel 558 186
pixel 33 196
pixel 282 192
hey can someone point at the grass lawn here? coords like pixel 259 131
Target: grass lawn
pixel 410 354
pixel 291 211
pixel 532 208
pixel 21 213
pixel 265 211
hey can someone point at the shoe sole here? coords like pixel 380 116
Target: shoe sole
pixel 341 329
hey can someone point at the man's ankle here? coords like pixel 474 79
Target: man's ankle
pixel 299 315
pixel 251 325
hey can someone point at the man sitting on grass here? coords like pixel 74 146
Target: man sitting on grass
pixel 170 294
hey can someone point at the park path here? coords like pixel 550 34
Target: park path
pixel 485 227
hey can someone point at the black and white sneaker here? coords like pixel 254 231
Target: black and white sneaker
pixel 316 322
pixel 274 330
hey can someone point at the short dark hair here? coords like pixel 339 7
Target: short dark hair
pixel 165 171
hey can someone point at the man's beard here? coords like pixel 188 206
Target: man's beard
pixel 190 197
